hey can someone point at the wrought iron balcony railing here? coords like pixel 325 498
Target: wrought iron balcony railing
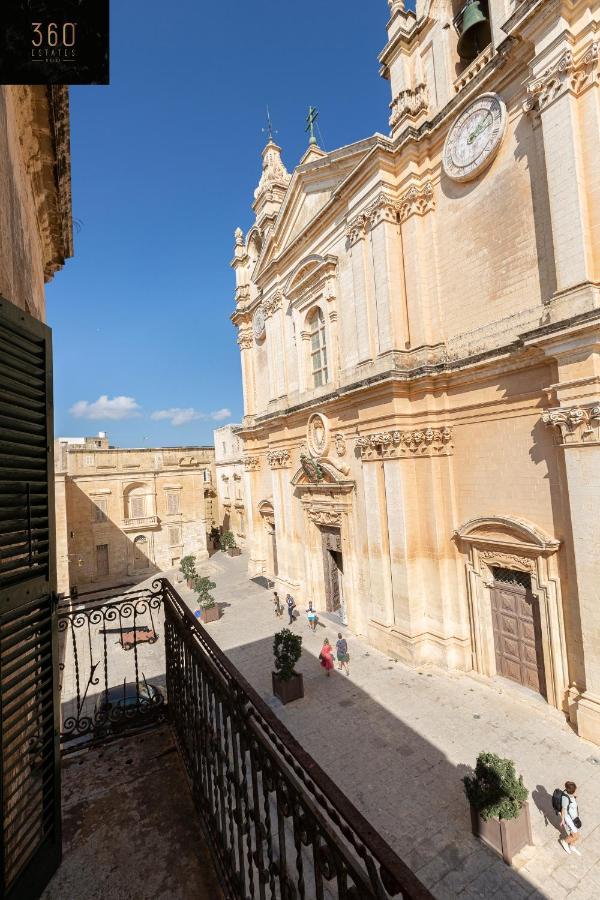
pixel 278 826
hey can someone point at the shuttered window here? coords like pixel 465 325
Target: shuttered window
pixel 29 707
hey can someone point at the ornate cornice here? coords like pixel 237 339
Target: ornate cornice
pixel 575 424
pixel 272 304
pixel 417 200
pixel 418 442
pixel 244 339
pixel 251 463
pixel 279 459
pixel 408 104
pixel 565 74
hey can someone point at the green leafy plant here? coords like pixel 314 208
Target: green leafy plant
pixel 495 790
pixel 203 586
pixel 187 567
pixel 227 540
pixel 287 649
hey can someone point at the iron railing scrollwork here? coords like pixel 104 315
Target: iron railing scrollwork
pixel 279 827
pixel 110 679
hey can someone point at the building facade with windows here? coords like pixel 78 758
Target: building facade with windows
pixel 230 482
pixel 418 317
pixel 129 512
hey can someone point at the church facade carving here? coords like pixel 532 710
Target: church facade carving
pixel 429 426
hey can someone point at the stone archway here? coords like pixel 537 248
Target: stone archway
pixel 326 496
pixel 268 540
pixel 504 544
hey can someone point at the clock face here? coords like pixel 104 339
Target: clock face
pixel 475 137
pixel 258 322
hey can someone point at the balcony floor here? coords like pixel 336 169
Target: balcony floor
pixel 130 831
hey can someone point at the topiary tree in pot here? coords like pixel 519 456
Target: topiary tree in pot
pixel 187 567
pixel 210 611
pixel 499 809
pixel 287 650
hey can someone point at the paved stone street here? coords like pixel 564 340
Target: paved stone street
pixel 398 741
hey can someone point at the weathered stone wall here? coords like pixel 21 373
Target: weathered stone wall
pixel 35 202
pixel 103 488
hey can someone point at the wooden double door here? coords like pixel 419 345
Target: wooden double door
pixel 517 630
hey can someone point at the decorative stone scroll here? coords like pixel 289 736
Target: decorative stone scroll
pixel 575 424
pixel 279 459
pixel 409 103
pixel 507 560
pixel 340 444
pixel 251 463
pixel 245 340
pixel 393 444
pixel 566 73
pixel 324 516
pixel 272 304
pixel 417 200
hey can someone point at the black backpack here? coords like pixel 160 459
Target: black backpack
pixel 557 800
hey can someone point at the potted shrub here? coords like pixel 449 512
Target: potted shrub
pixel 206 602
pixel 287 649
pixel 499 808
pixel 187 567
pixel 228 544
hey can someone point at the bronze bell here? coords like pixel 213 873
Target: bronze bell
pixel 475 31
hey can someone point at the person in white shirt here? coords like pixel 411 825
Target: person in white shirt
pixel 569 818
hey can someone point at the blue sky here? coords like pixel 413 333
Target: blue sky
pixel 165 161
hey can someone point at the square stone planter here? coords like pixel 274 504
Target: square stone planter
pixel 288 690
pixel 234 551
pixel 506 837
pixel 210 615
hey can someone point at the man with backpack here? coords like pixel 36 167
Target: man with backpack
pixel 564 802
pixel 291 605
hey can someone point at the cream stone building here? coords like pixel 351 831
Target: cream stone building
pixel 229 477
pixel 129 512
pixel 419 326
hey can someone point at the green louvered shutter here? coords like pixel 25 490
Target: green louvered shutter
pixel 29 704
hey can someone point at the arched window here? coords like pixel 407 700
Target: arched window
pixel 318 347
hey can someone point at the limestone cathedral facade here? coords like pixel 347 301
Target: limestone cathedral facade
pixel 418 317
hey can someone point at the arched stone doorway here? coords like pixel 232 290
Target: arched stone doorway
pixel 268 539
pixel 326 496
pixel 515 604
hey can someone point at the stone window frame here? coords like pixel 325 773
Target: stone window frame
pixel 316 314
pixel 514 543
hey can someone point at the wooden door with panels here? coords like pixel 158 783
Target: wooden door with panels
pixel 517 629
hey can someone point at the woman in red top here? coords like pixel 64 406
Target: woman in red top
pixel 326 656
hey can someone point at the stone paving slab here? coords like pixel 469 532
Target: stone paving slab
pixel 398 740
pixel 130 831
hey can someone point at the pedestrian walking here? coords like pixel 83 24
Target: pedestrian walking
pixel 343 657
pixel 291 605
pixel 326 656
pixel 569 815
pixel 311 615
pixel 277 605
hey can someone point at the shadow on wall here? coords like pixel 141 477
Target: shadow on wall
pixel 404 785
pixel 98 550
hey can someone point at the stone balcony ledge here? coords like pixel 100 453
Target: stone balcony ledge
pixel 140 523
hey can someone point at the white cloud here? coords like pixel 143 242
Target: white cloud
pixel 221 414
pixel 181 416
pixel 106 408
